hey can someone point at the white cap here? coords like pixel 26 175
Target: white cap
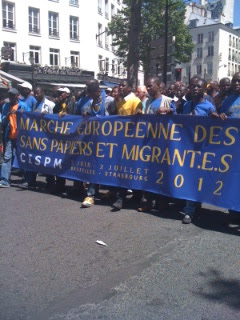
pixel 109 89
pixel 26 85
pixel 64 90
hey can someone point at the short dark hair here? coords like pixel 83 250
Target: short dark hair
pixel 93 85
pixel 156 80
pixel 129 83
pixel 38 88
pixel 224 79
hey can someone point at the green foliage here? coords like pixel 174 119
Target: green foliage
pixel 152 27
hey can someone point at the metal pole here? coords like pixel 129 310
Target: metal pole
pixel 165 62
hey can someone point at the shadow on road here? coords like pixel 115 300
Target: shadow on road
pixel 207 219
pixel 218 221
pixel 220 289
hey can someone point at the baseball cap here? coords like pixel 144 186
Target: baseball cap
pixel 109 89
pixel 26 85
pixel 64 90
pixel 13 91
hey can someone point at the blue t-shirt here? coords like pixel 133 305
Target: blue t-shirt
pixel 231 106
pixel 80 104
pixel 203 108
pixel 155 105
pixel 98 109
pixel 30 101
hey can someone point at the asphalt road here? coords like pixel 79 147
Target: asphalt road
pixel 153 266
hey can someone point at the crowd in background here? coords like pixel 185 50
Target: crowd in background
pixel 218 100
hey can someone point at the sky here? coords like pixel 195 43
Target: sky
pixel 236 12
pixel 236 16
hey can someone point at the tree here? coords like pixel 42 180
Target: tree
pixel 152 27
pixel 133 41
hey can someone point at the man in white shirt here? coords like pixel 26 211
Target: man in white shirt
pixel 43 105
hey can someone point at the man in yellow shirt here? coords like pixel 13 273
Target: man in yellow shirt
pixel 129 104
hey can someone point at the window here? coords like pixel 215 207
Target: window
pixel 199 69
pixel 12 52
pixel 99 35
pixel 210 51
pixel 74 28
pixel 101 63
pixel 112 10
pixel 35 54
pixel 199 52
pixel 210 36
pixel 106 38
pixel 210 67
pixel 233 42
pixel 230 40
pixel 188 71
pixel 119 69
pixel 75 60
pixel 53 24
pixel 54 57
pixel 229 69
pixel 193 23
pixel 107 65
pixel 33 20
pixel 8 12
pixel 106 9
pixel 114 67
pixel 73 2
pixel 100 6
pixel 229 54
pixel 233 56
pixel 200 38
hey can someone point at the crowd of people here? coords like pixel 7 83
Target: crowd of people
pixel 199 98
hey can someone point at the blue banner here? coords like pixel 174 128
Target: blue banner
pixel 187 157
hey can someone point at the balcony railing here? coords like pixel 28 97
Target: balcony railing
pixel 34 29
pixel 8 25
pixel 53 33
pixel 73 2
pixel 74 37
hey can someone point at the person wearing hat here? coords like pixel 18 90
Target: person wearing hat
pixel 25 90
pixel 61 108
pixel 9 122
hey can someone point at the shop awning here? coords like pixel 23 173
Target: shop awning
pixel 69 85
pixel 5 84
pixel 9 77
pixel 110 84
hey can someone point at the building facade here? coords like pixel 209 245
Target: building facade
pixel 216 51
pixel 58 35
